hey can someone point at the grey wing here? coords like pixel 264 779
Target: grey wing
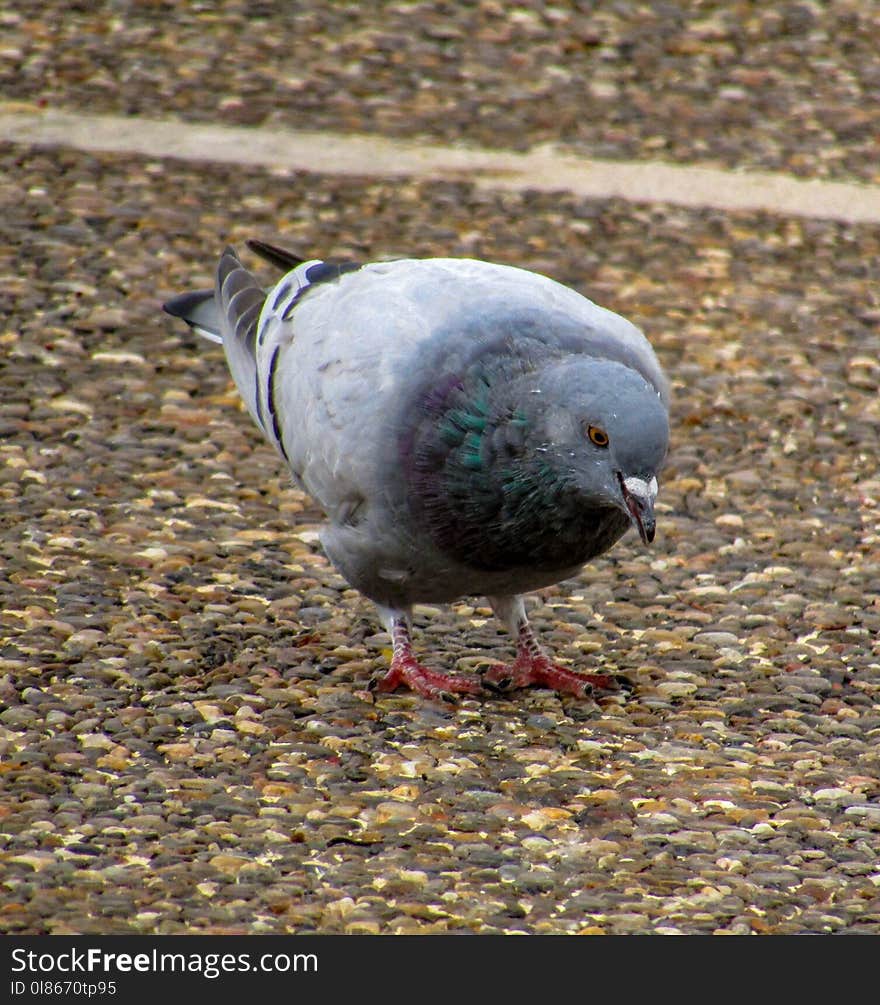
pixel 503 296
pixel 239 299
pixel 581 325
pixel 229 314
pixel 256 329
pixel 338 371
pixel 614 337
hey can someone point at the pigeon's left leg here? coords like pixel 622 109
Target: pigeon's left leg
pixel 532 665
pixel 406 670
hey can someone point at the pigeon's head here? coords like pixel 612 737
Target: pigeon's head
pixel 541 468
pixel 605 430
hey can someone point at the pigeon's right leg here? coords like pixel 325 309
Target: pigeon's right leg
pixel 407 671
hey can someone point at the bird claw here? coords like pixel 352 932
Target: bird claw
pixel 540 672
pixel 423 680
pixel 500 686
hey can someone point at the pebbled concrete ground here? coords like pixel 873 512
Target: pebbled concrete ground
pixel 186 739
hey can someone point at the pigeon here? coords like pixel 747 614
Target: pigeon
pixel 468 428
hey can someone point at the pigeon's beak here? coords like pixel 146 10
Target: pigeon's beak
pixel 639 496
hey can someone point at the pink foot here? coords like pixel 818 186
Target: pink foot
pixel 406 670
pixel 429 683
pixel 528 670
pixel 532 666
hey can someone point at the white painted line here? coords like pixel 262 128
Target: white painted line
pixel 545 168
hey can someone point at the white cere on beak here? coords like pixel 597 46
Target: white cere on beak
pixel 640 488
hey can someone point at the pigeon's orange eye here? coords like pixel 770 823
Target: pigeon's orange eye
pixel 597 436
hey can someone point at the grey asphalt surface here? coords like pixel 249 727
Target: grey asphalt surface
pixel 187 743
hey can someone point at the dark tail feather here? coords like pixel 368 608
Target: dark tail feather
pixel 199 310
pixel 284 260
